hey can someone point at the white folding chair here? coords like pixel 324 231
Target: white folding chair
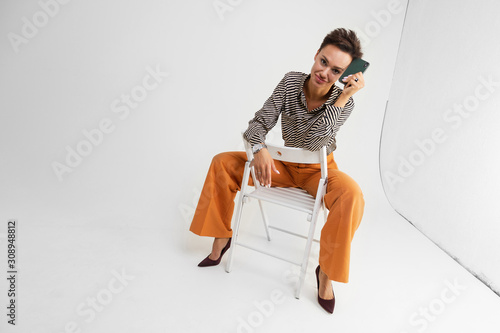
pixel 294 198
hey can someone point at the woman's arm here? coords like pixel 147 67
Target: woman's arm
pixel 265 119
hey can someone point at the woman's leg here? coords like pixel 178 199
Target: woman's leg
pixel 214 211
pixel 345 203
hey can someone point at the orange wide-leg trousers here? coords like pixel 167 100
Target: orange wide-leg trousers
pixel 343 199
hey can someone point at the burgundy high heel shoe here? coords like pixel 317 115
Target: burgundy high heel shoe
pixel 327 304
pixel 207 262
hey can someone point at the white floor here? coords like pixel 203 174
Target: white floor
pixel 104 277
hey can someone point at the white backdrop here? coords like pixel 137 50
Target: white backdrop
pixel 147 92
pixel 439 153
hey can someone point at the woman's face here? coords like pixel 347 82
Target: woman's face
pixel 329 64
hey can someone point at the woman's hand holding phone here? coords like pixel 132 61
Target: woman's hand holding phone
pixel 351 87
pixel 353 83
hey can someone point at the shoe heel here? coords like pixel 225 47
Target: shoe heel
pixel 207 262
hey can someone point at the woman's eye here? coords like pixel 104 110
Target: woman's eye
pixel 323 62
pixel 335 71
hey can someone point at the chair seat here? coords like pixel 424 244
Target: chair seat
pixel 291 197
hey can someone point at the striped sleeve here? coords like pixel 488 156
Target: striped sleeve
pixel 265 119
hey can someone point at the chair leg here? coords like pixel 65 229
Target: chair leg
pixel 234 238
pixel 307 253
pixel 325 212
pixel 264 218
pixel 239 209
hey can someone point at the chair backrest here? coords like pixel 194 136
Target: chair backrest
pixel 294 155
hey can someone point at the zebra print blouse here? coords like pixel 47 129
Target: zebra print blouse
pixel 300 128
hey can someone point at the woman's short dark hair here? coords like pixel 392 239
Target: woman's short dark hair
pixel 345 40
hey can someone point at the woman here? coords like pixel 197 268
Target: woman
pixel 312 109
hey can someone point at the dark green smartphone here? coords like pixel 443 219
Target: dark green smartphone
pixel 357 65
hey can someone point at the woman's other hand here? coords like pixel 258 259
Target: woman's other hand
pixel 263 165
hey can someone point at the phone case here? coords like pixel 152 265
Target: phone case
pixel 357 65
